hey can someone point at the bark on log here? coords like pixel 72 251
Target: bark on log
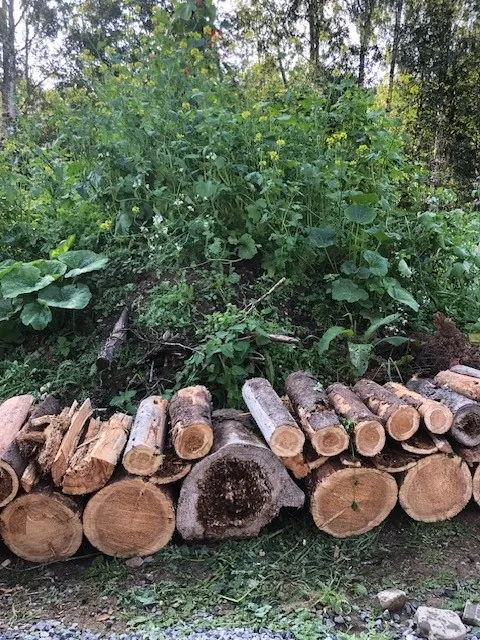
pixel 237 489
pixel 30 477
pixel 401 420
pixel 393 459
pixel 437 488
pixel 144 451
pixel 96 462
pixel 437 417
pixel 421 444
pixel 368 431
pixel 476 485
pixel 13 414
pixel 190 415
pixel 320 424
pixel 466 413
pixel 471 455
pixel 278 427
pixel 107 356
pixel 42 526
pixel 70 442
pixel 348 501
pixel 172 469
pixel 30 437
pixel 129 517
pixel 466 371
pixel 465 385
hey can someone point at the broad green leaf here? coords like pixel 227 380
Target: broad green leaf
pixel 246 247
pixel 206 189
pixel 82 262
pixel 377 263
pixel 329 335
pixel 360 213
pixel 381 322
pixel 344 289
pixel 322 237
pixel 53 268
pixel 7 265
pixel 360 356
pixel 348 268
pixel 400 294
pixel 123 223
pixel 457 270
pixel 24 279
pixel 63 247
pixel 365 198
pixel 36 315
pixel 70 296
pixel 396 341
pixel 403 269
pixel 7 309
pixel 474 338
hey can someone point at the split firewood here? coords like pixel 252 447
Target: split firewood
pixel 31 437
pixel 393 459
pixel 13 414
pixel 466 371
pixel 401 419
pixel 467 386
pixel 129 517
pixel 350 460
pixel 368 431
pixel 237 489
pixel 297 465
pixel 172 468
pixel 55 428
pixel 277 425
pixel 466 413
pixel 437 488
pixel 471 455
pixel 190 415
pixel 107 356
pixel 321 425
pixel 421 444
pixel 42 526
pixel 144 451
pixel 347 501
pixel 93 465
pixel 30 477
pixel 436 416
pixel 70 442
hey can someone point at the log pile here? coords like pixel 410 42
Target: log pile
pixel 127 483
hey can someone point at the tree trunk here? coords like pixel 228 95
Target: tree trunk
pixel 107 356
pixel 144 451
pixel 236 490
pixel 42 526
pixel 365 37
pixel 395 48
pixel 437 417
pixel 465 385
pixel 401 420
pixel 394 459
pixel 70 442
pixel 437 488
pixel 320 424
pixel 190 415
pixel 368 432
pixel 129 517
pixel 466 413
pixel 9 111
pixel 466 371
pixel 420 444
pixel 279 429
pixel 348 501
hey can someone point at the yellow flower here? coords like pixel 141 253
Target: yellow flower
pixel 362 148
pixel 195 53
pixel 183 44
pixel 262 163
pixel 104 226
pixel 273 155
pixel 185 105
pixel 337 137
pixel 246 115
pixel 263 119
pixel 208 30
pixel 135 209
pixel 280 142
pixel 258 137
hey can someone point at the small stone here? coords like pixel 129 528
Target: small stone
pixel 134 563
pixel 339 620
pixel 392 599
pixel 386 615
pixel 439 624
pixel 396 617
pixel 150 577
pixel 149 559
pixel 6 563
pixel 471 614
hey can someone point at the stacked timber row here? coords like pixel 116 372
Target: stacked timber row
pixel 127 483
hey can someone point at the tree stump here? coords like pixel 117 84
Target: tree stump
pixel 436 416
pixel 190 415
pixel 144 451
pixel 467 386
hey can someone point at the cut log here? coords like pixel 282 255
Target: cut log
pixel 97 461
pixel 464 385
pixel 13 414
pixel 30 477
pixel 70 442
pixel 348 501
pixel 368 432
pixel 144 451
pixel 476 485
pixel 437 417
pixel 237 489
pixel 471 455
pixel 401 419
pixel 172 468
pixel 297 465
pixel 321 425
pixel 466 371
pixel 311 457
pixel 30 437
pixel 420 444
pixel 42 526
pixel 437 488
pixel 129 517
pixel 393 459
pixel 277 425
pixel 107 356
pixel 466 413
pixel 442 444
pixel 190 415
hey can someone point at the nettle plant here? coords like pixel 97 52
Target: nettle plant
pixel 30 290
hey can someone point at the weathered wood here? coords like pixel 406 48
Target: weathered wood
pixel 420 444
pixel 95 464
pixel 129 517
pixel 437 488
pixel 55 429
pixel 401 419
pixel 144 451
pixel 350 460
pixel 437 417
pixel 321 425
pixel 42 526
pixel 172 468
pixel 465 385
pixel 70 442
pixel 368 431
pixel 30 477
pixel 442 444
pixel 393 459
pixel 31 437
pixel 476 485
pixel 107 356
pixel 237 489
pixel 277 425
pixel 466 371
pixel 190 415
pixel 347 501
pixel 471 455
pixel 466 413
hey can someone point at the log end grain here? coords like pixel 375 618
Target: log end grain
pixel 193 441
pixel 438 418
pixel 171 470
pixel 287 441
pixel 403 422
pixel 330 441
pixel 140 460
pixel 369 438
pixel 9 484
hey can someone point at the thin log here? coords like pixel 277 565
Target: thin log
pixel 442 444
pixel 466 371
pixel 321 425
pixel 421 444
pixel 465 385
pixel 172 468
pixel 436 416
pixel 437 488
pixel 107 356
pixel 144 451
pixel 70 442
pixel 401 419
pixel 348 501
pixel 190 415
pixel 277 425
pixel 30 437
pixel 368 431
pixel 393 459
pixel 30 477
